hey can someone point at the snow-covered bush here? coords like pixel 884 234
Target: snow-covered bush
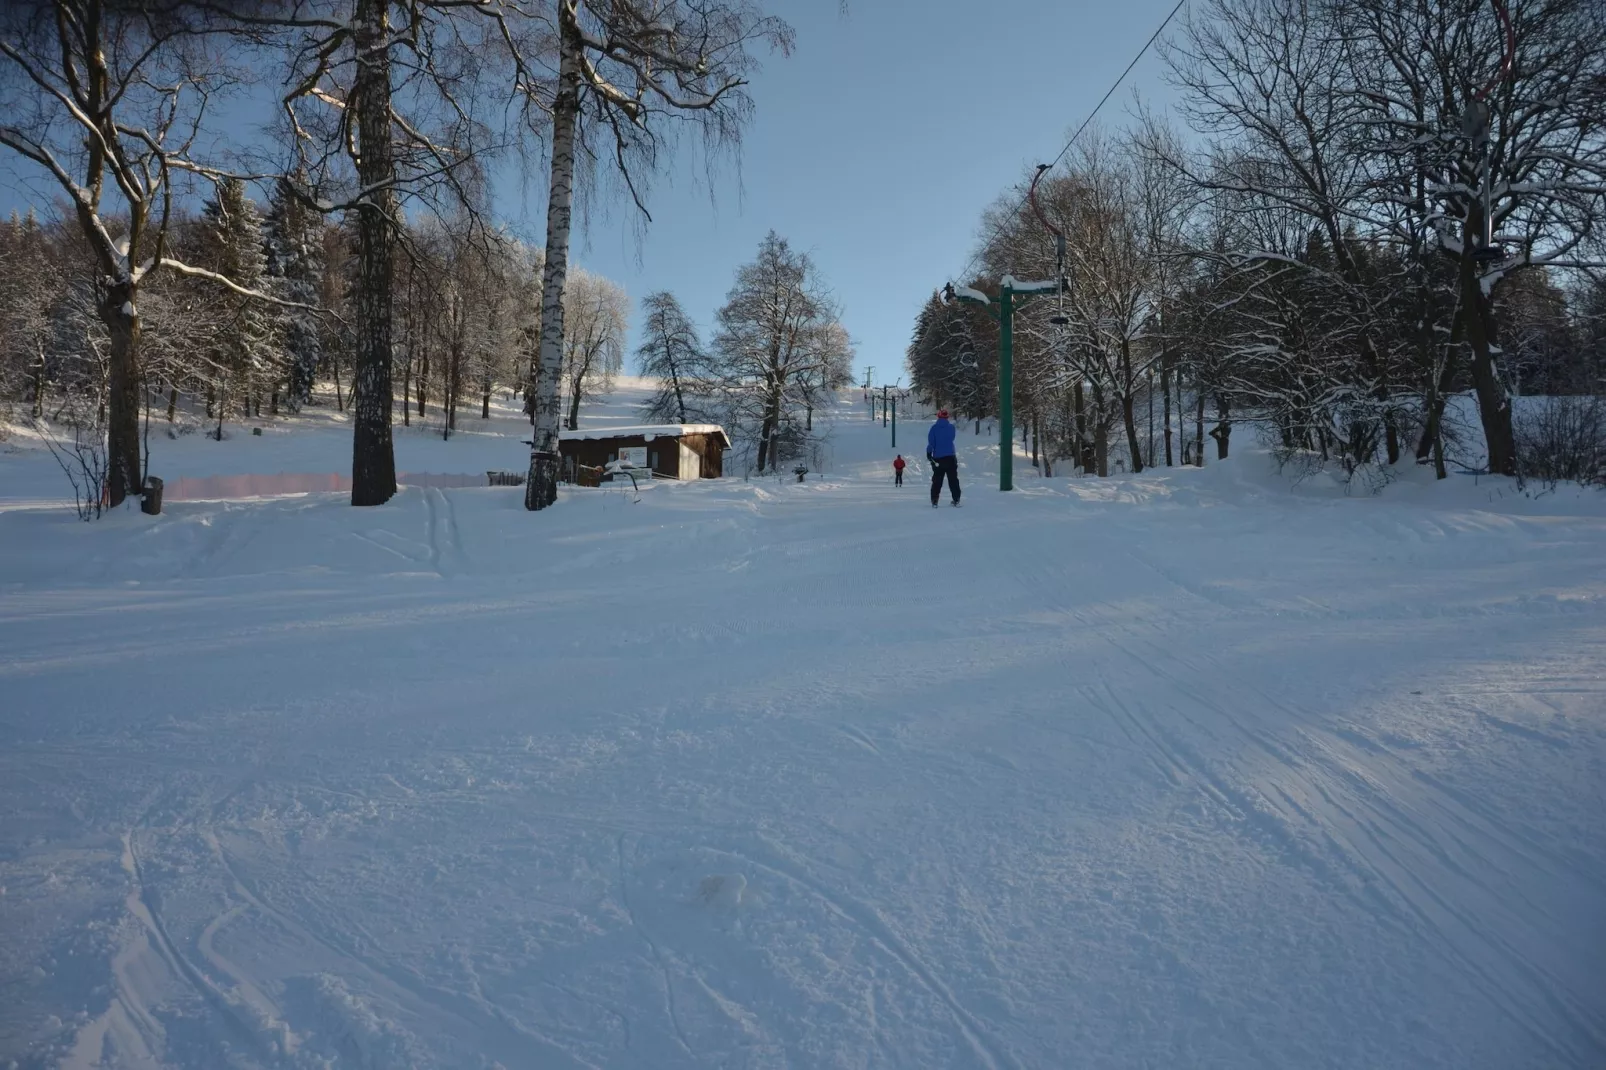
pixel 1563 440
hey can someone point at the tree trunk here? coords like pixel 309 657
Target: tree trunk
pixel 1431 442
pixel 766 435
pixel 1101 432
pixel 454 382
pixel 1494 405
pixel 1148 443
pixel 39 387
pixel 574 407
pixel 412 349
pixel 1086 455
pixel 1437 385
pixel 118 312
pixel 1223 429
pixel 485 399
pixel 1198 428
pixel 1129 418
pixel 172 404
pixel 541 488
pixel 373 458
pixel 423 380
pixel 222 407
pixel 1165 391
pixel 340 399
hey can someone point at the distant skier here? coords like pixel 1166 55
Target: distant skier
pixel 898 465
pixel 940 451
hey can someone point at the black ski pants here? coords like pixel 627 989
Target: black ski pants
pixel 940 467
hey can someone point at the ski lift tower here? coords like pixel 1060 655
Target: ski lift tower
pixel 1011 293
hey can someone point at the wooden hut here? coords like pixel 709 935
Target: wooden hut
pixel 672 451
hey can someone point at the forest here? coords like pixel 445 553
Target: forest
pixel 1358 213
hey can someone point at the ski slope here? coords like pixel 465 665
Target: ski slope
pixel 1188 769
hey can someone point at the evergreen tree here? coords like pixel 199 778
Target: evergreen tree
pixel 295 261
pixel 246 357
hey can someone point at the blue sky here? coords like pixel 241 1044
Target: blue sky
pixel 875 147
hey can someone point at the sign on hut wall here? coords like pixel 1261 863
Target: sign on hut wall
pixel 634 456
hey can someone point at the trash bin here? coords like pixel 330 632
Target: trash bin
pixel 150 496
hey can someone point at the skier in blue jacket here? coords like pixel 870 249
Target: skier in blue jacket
pixel 944 462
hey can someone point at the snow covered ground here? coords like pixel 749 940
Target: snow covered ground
pixel 1185 769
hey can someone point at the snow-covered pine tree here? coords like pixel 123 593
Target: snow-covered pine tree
pixel 295 263
pixel 246 357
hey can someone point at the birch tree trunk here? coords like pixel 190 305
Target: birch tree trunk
pixel 546 373
pixel 373 459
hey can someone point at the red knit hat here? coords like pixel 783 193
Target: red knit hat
pixel 942 414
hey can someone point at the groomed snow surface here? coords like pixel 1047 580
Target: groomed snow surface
pixel 1197 768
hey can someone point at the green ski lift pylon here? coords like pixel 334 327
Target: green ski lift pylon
pixel 1011 291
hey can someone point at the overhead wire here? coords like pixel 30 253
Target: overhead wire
pixel 999 226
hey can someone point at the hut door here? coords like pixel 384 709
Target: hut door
pixel 691 463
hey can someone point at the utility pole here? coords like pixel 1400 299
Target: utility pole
pixel 883 404
pixel 894 421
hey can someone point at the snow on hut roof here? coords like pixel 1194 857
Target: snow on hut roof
pixel 646 431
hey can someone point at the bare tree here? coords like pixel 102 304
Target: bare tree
pixel 107 100
pixel 1481 128
pixel 671 351
pixel 1272 83
pixel 33 277
pixel 594 344
pixel 368 140
pixel 778 334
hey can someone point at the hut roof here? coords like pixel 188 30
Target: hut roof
pixel 646 431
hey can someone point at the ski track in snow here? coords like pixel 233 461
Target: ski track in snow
pixel 1183 769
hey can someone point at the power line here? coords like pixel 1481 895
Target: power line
pixel 1155 36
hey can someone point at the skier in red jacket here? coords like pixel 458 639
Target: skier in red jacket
pixel 898 465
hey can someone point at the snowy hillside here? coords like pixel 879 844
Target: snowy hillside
pixel 1192 768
